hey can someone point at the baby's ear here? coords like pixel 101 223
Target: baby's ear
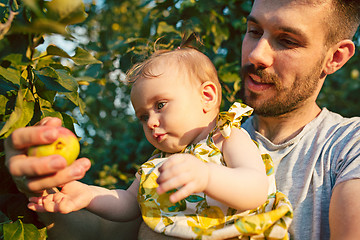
pixel 209 95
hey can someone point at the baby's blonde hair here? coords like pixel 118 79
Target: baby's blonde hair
pixel 199 67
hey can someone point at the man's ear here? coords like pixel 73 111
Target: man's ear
pixel 209 96
pixel 339 54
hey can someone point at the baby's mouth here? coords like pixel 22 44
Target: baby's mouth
pixel 159 136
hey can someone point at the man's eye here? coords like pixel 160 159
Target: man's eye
pixel 160 105
pixel 254 32
pixel 289 42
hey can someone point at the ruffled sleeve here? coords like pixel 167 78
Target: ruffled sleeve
pixel 232 118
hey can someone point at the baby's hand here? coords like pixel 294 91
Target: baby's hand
pixel 183 171
pixel 73 197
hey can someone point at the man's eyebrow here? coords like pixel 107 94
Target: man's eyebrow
pixel 294 31
pixel 251 19
pixel 291 30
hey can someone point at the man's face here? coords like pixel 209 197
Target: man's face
pixel 283 55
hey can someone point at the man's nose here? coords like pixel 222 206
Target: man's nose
pixel 262 55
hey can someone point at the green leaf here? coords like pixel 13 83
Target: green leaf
pixel 68 121
pixel 66 11
pixel 51 113
pixel 54 50
pixel 3 102
pixel 22 114
pixel 44 92
pixel 42 25
pixel 45 104
pixel 10 74
pixel 83 57
pixel 6 86
pixel 34 6
pixel 66 80
pixel 57 80
pixel 82 106
pixel 20 231
pixel 194 198
pixel 16 59
pixel 73 97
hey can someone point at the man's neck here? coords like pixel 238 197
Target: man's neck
pixel 282 128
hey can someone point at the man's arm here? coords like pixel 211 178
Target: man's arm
pixel 344 212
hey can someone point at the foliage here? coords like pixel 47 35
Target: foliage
pixel 35 85
pixel 88 85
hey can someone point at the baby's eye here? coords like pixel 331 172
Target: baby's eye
pixel 160 105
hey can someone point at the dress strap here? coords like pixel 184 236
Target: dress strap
pixel 232 118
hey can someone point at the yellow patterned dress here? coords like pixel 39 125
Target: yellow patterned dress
pixel 201 217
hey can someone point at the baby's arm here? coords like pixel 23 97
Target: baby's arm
pixel 115 205
pixel 243 184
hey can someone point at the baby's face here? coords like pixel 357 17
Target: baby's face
pixel 169 108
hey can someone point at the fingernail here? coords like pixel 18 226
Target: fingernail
pixel 50 134
pixel 76 172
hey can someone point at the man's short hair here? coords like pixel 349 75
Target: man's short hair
pixel 343 21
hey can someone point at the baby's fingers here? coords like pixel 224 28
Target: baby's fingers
pixel 182 193
pixel 42 204
pixel 173 183
pixel 36 204
pixel 36 207
pixel 50 203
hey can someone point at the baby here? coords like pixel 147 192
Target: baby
pixel 207 178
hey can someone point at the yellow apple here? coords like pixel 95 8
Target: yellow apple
pixel 66 145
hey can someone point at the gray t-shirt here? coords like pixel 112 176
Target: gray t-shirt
pixel 308 167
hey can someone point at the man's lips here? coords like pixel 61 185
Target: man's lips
pixel 255 84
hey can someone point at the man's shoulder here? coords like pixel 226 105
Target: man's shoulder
pixel 335 120
pixel 334 128
pixel 326 125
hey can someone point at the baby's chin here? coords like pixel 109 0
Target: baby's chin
pixel 171 150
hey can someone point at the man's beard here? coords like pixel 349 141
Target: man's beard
pixel 287 99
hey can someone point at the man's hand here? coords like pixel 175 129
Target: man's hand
pixel 33 175
pixel 183 171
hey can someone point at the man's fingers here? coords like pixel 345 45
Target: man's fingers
pixel 25 137
pixel 22 165
pixel 73 172
pixel 49 121
pixel 44 132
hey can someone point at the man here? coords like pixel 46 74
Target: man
pixel 289 49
